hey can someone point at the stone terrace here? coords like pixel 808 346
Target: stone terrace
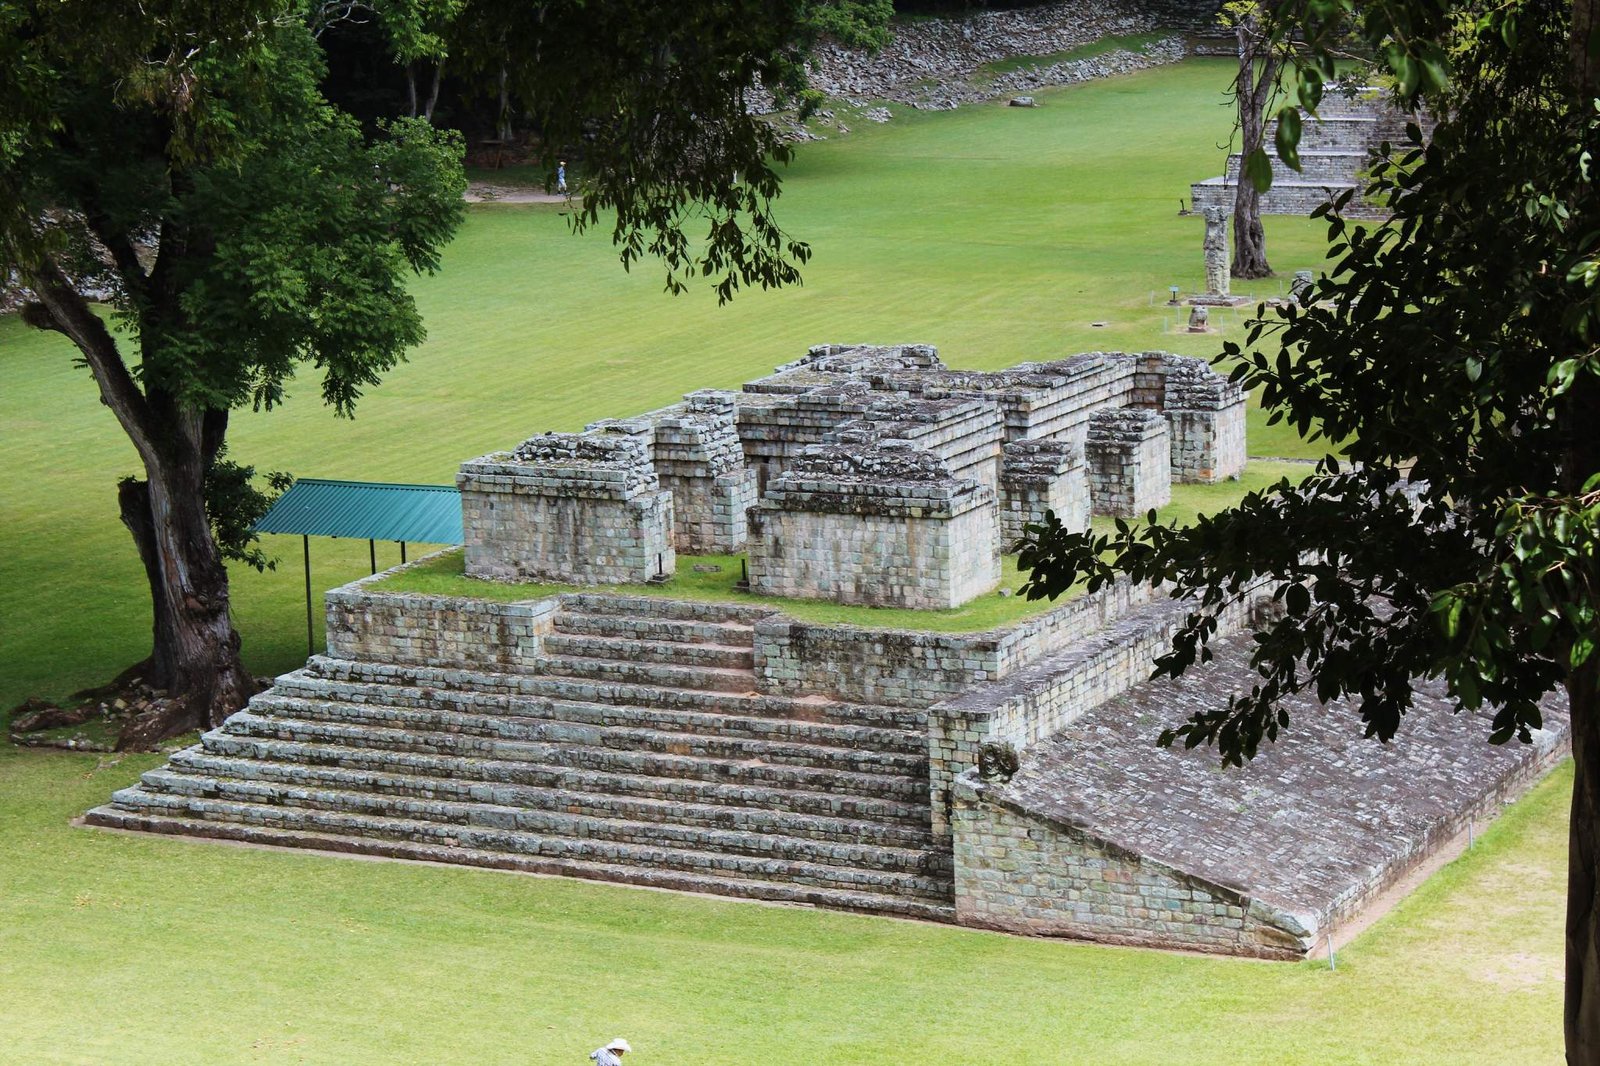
pixel 1108 837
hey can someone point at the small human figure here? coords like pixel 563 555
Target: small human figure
pixel 611 1054
pixel 561 179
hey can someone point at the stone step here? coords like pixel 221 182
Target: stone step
pixel 543 821
pixel 602 803
pixel 911 812
pixel 674 653
pixel 585 712
pixel 652 607
pixel 515 842
pixel 699 678
pixel 1340 168
pixel 655 877
pixel 654 764
pixel 688 631
pixel 802 708
pixel 512 727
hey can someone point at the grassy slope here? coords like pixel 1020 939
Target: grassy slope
pixel 122 949
pixel 998 234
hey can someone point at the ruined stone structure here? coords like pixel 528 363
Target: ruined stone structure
pixel 862 474
pixel 730 748
pixel 1335 150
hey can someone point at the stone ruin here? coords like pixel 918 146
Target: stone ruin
pixel 1006 779
pixel 860 474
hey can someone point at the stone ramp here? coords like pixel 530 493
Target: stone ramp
pixel 1121 840
pixel 637 749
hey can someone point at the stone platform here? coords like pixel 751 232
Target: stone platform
pixel 1108 837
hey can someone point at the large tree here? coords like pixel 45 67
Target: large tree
pixel 1449 358
pixel 180 158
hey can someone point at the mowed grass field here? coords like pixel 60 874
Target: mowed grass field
pixel 999 235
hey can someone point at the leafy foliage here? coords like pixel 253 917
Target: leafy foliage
pixel 1448 357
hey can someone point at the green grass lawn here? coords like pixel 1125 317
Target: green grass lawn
pixel 999 234
pixel 126 949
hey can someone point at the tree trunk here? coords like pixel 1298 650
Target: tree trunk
pixel 411 90
pixel 1251 90
pixel 195 648
pixel 1582 1014
pixel 433 92
pixel 503 131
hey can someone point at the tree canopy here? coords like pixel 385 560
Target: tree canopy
pixel 1448 359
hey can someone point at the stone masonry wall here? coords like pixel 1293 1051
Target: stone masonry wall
pixel 877 525
pixel 1024 875
pixel 1040 476
pixel 1095 649
pixel 435 630
pixel 1129 454
pixel 585 508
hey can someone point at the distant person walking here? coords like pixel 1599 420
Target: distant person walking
pixel 561 187
pixel 611 1054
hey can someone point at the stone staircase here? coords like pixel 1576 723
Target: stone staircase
pixel 1335 150
pixel 638 750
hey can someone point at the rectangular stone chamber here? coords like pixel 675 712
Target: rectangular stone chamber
pixel 879 526
pixel 1128 452
pixel 579 508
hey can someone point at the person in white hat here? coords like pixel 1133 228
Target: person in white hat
pixel 611 1054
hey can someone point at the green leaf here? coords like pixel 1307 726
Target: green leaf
pixel 1288 137
pixel 1257 170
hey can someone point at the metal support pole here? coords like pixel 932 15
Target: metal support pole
pixel 402 552
pixel 372 553
pixel 311 638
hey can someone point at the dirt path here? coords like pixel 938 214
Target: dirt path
pixel 482 192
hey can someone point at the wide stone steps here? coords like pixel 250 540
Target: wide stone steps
pixel 652 876
pixel 1336 168
pixel 558 732
pixel 701 678
pixel 473 771
pixel 804 708
pixel 651 763
pixel 732 634
pixel 483 814
pixel 683 653
pixel 515 842
pixel 613 802
pixel 594 603
pixel 609 715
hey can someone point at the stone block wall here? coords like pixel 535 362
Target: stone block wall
pixel 875 525
pixel 899 668
pixel 436 630
pixel 697 454
pixel 1022 874
pixel 584 508
pixel 1129 452
pixel 1206 415
pixel 965 434
pixel 1040 476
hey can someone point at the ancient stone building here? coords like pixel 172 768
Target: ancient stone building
pixel 731 748
pixel 863 474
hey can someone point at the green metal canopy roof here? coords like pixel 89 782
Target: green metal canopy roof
pixel 367 510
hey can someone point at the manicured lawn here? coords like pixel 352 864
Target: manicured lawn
pixel 123 949
pixel 999 234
